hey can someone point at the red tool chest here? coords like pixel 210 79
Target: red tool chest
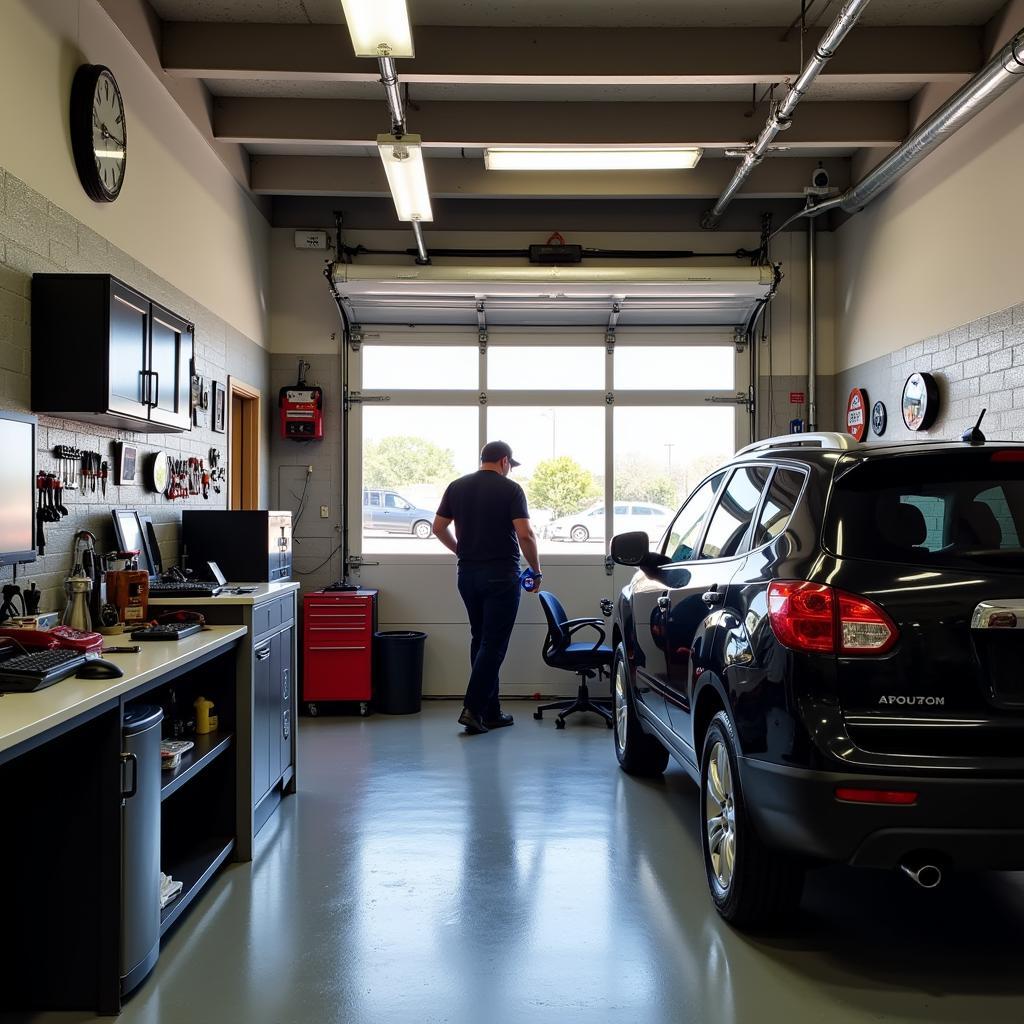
pixel 337 636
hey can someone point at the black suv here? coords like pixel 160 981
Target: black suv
pixel 828 638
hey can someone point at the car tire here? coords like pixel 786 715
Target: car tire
pixel 579 535
pixel 422 529
pixel 751 884
pixel 638 752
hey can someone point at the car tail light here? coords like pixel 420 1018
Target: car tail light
pixel 815 618
pixel 900 797
pixel 1008 455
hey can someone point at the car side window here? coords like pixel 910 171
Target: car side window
pixel 394 501
pixel 689 523
pixel 731 519
pixel 374 498
pixel 778 505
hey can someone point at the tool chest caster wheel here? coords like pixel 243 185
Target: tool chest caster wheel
pixel 364 709
pixel 313 710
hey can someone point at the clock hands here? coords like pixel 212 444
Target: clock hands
pixel 107 134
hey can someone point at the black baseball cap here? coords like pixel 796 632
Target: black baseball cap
pixel 495 451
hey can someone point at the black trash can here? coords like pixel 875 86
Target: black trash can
pixel 398 672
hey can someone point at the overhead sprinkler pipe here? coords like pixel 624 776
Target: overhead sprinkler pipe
pixel 781 116
pixel 393 93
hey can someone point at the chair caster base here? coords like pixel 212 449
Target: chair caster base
pixel 539 715
pixel 559 723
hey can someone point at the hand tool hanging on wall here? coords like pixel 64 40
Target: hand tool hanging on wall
pixel 40 539
pixel 68 459
pixel 104 468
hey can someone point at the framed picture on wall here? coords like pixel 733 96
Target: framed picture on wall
pixel 219 423
pixel 126 458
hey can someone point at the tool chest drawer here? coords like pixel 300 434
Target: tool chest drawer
pixel 337 643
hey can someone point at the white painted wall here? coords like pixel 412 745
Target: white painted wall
pixel 942 247
pixel 180 213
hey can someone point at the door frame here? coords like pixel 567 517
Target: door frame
pixel 244 464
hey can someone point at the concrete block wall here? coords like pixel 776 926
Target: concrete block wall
pixel 316 551
pixel 36 236
pixel 978 365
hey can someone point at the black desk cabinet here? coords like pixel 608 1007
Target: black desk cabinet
pixel 104 353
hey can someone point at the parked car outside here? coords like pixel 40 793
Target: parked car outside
pixel 829 641
pixel 588 525
pixel 389 512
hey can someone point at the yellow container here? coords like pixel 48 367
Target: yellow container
pixel 205 721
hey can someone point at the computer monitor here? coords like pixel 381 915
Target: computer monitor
pixel 131 536
pixel 17 488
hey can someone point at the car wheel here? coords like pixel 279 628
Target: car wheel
pixel 638 752
pixel 751 884
pixel 422 529
pixel 579 535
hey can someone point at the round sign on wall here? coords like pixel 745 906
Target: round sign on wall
pixel 920 401
pixel 879 418
pixel 857 413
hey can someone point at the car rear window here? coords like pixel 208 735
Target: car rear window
pixel 954 509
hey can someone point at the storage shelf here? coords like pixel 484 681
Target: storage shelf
pixel 194 871
pixel 207 748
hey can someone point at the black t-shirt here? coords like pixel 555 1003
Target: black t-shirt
pixel 483 505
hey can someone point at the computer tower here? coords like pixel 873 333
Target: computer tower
pixel 250 546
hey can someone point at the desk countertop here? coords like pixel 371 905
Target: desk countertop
pixel 23 716
pixel 263 592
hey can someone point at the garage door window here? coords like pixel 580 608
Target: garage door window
pixel 675 368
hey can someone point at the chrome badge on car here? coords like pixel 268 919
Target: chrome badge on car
pixel 900 699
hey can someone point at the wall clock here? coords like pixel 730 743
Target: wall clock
pixel 920 402
pixel 99 138
pixel 879 418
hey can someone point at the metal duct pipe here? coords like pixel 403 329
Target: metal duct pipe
pixel 424 257
pixel 393 92
pixel 1005 68
pixel 781 116
pixel 812 327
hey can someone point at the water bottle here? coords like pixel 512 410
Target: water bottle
pixel 530 580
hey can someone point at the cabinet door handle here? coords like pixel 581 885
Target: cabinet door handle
pixel 262 654
pixel 155 401
pixel 337 648
pixel 134 762
pixel 144 387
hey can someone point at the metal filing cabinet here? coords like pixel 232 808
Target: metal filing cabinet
pixel 337 638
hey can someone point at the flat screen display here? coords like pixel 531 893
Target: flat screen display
pixel 131 535
pixel 17 488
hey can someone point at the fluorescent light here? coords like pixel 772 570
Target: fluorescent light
pixel 593 158
pixel 379 28
pixel 403 164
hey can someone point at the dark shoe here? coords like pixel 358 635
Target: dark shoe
pixel 500 722
pixel 474 723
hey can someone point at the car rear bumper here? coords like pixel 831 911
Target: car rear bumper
pixel 967 823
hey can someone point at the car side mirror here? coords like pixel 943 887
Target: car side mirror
pixel 635 549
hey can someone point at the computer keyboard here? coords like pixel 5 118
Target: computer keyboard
pixel 27 672
pixel 167 631
pixel 183 588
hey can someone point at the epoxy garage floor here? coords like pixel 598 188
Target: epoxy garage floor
pixel 424 876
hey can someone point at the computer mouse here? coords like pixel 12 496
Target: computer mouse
pixel 97 668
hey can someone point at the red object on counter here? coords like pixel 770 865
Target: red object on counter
pixel 337 641
pixel 59 636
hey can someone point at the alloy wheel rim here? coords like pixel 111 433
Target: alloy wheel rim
pixel 579 535
pixel 720 816
pixel 621 711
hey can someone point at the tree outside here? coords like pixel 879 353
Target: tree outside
pixel 402 460
pixel 644 481
pixel 563 486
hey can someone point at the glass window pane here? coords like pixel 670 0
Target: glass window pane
pixel 545 368
pixel 778 505
pixel 420 367
pixel 562 472
pixel 732 517
pixel 675 367
pixel 410 455
pixel 661 454
pixel 686 530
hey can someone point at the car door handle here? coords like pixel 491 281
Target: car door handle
pixel 712 597
pixel 664 603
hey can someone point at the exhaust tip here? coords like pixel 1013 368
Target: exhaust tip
pixel 927 876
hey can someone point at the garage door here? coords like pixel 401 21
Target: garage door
pixel 610 437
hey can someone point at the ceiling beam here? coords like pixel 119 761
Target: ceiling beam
pixel 465 124
pixel 467 179
pixel 475 55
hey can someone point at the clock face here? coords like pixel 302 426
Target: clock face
pixel 98 132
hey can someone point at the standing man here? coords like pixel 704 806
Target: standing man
pixel 492 524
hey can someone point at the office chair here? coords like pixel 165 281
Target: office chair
pixel 585 659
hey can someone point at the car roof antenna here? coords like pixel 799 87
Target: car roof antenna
pixel 974 436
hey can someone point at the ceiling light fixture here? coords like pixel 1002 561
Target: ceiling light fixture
pixel 592 158
pixel 379 28
pixel 407 178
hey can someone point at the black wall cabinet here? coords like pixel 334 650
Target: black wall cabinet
pixel 104 353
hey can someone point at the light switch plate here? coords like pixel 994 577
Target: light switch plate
pixel 324 512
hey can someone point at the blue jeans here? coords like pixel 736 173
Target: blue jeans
pixel 491 596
